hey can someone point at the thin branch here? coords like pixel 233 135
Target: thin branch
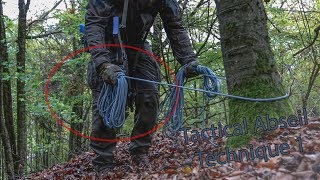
pixel 202 2
pixel 44 35
pixel 314 75
pixel 271 22
pixel 27 5
pixel 207 38
pixel 44 15
pixel 316 30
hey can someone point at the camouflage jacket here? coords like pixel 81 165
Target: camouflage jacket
pixel 140 17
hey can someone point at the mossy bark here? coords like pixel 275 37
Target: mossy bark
pixel 249 64
pixel 240 109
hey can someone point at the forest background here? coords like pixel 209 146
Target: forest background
pixel 35 38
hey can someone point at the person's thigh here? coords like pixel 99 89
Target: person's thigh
pixel 144 66
pixel 146 100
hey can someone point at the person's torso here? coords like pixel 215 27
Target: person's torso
pixel 140 17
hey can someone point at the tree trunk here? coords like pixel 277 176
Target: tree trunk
pixel 76 89
pixel 7 148
pixel 6 118
pixel 21 105
pixel 75 141
pixel 249 64
pixel 37 141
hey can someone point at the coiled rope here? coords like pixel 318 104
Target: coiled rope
pixel 211 84
pixel 112 100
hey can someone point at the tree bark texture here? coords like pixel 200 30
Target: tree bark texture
pixel 21 98
pixel 249 63
pixel 6 118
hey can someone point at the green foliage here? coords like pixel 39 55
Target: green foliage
pixel 292 29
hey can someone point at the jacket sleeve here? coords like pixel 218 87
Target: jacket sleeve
pixel 170 14
pixel 97 18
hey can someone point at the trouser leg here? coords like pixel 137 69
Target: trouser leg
pixel 146 102
pixel 104 150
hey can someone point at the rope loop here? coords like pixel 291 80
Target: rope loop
pixel 112 102
pixel 112 99
pixel 212 86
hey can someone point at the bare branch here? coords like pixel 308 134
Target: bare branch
pixel 271 22
pixel 44 15
pixel 201 2
pixel 207 38
pixel 44 35
pixel 27 5
pixel 316 30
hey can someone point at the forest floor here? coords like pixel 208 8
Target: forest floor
pixel 169 162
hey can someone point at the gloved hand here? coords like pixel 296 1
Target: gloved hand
pixel 109 72
pixel 190 70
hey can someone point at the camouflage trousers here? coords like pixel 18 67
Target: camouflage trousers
pixel 146 107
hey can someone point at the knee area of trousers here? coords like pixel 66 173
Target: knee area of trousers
pixel 149 99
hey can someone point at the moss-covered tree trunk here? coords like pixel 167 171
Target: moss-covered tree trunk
pixel 249 64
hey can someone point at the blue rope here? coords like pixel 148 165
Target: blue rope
pixel 211 84
pixel 112 102
pixel 112 99
pixel 175 121
pixel 216 93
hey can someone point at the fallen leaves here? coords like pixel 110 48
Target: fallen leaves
pixel 186 170
pixel 174 160
pixel 271 164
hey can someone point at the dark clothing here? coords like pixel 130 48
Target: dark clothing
pixel 140 17
pixel 146 108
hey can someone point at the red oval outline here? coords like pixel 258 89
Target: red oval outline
pixel 53 71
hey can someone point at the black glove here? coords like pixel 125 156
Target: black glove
pixel 191 69
pixel 109 72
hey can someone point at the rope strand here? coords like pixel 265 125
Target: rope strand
pixel 211 84
pixel 112 102
pixel 112 99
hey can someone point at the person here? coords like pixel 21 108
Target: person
pixel 104 66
